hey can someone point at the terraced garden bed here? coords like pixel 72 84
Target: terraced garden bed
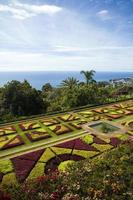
pixel 31 148
pixel 60 129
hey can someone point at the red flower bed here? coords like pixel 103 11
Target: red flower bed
pixel 98 140
pixel 22 168
pixel 115 141
pixel 77 144
pixel 67 145
pixel 81 145
pixel 25 163
pixel 33 156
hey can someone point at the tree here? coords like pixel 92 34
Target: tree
pixel 88 76
pixel 22 99
pixel 47 88
pixel 70 82
pixel 69 99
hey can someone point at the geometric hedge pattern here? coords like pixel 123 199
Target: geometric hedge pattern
pixel 44 130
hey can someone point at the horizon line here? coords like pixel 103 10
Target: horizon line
pixel 62 71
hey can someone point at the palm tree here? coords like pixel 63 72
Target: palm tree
pixel 88 76
pixel 70 82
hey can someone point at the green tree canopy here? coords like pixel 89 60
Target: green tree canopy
pixel 47 88
pixel 22 99
pixel 88 75
pixel 70 82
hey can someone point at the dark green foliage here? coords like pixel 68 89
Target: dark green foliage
pixel 22 99
pixel 47 88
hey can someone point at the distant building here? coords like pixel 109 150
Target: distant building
pixel 121 81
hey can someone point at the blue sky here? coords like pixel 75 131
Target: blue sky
pixel 66 35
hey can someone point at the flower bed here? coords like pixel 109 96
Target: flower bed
pixel 86 113
pixel 124 104
pixel 68 117
pixel 59 151
pixel 68 145
pixel 25 163
pixel 128 124
pixel 88 139
pixel 114 141
pixel 101 110
pixel 47 155
pixel 37 134
pixel 128 112
pixel 7 130
pixel 22 168
pixel 78 124
pixel 85 154
pixel 29 126
pixel 60 129
pixel 50 121
pixel 115 116
pixel 35 163
pixel 11 141
pixel 130 108
pixel 102 147
pixel 94 118
pixel 6 166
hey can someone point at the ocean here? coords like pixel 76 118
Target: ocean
pixel 38 79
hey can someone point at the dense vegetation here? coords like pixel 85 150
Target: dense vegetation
pixel 103 178
pixel 21 99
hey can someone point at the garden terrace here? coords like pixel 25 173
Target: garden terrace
pixel 33 147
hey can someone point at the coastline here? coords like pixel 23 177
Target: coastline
pixel 39 78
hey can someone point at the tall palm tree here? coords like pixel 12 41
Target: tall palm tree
pixel 88 76
pixel 70 82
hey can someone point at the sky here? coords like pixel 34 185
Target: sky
pixel 66 35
